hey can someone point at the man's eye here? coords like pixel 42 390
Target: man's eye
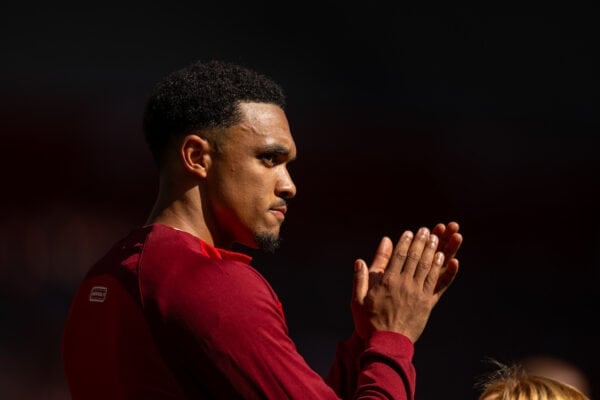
pixel 268 159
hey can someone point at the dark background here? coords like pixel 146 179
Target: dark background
pixel 402 118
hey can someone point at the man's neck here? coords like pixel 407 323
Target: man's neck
pixel 182 213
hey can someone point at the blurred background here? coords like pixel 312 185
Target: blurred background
pixel 403 117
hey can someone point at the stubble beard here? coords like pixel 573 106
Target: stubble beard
pixel 267 242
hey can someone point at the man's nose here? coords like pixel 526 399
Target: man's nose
pixel 286 187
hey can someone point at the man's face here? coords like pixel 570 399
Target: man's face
pixel 249 182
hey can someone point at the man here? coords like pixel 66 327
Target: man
pixel 172 312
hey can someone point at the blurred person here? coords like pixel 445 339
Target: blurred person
pixel 514 382
pixel 558 369
pixel 172 311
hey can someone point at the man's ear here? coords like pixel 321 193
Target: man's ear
pixel 195 153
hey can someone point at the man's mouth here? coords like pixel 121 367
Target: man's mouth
pixel 279 212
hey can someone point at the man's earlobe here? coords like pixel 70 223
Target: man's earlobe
pixel 195 155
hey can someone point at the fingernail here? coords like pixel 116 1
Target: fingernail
pixel 433 240
pixel 439 257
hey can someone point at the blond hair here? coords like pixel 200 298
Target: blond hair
pixel 512 382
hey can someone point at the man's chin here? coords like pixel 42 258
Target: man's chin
pixel 267 242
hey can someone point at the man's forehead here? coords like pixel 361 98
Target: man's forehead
pixel 262 113
pixel 266 125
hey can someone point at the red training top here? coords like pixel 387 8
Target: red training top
pixel 165 315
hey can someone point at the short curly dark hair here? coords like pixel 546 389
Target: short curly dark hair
pixel 203 96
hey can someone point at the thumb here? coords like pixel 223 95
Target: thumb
pixel 360 282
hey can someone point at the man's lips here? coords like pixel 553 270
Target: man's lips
pixel 279 212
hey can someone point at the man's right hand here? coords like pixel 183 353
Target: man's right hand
pixel 399 290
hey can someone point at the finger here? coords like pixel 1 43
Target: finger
pixel 452 245
pixel 439 230
pixel 415 251
pixel 445 233
pixel 447 276
pixel 451 248
pixel 382 255
pixel 360 283
pixel 400 253
pixel 432 277
pixel 427 259
pixel 453 226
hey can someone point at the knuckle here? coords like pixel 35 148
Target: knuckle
pixel 389 281
pixel 424 265
pixel 414 256
pixel 430 280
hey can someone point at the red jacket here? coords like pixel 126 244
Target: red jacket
pixel 166 316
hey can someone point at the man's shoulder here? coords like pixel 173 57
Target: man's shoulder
pixel 150 246
pixel 171 248
pixel 177 274
pixel 170 256
pixel 163 243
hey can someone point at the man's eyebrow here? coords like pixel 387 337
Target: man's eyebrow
pixel 275 149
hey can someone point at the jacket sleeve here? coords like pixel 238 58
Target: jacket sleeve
pixel 381 367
